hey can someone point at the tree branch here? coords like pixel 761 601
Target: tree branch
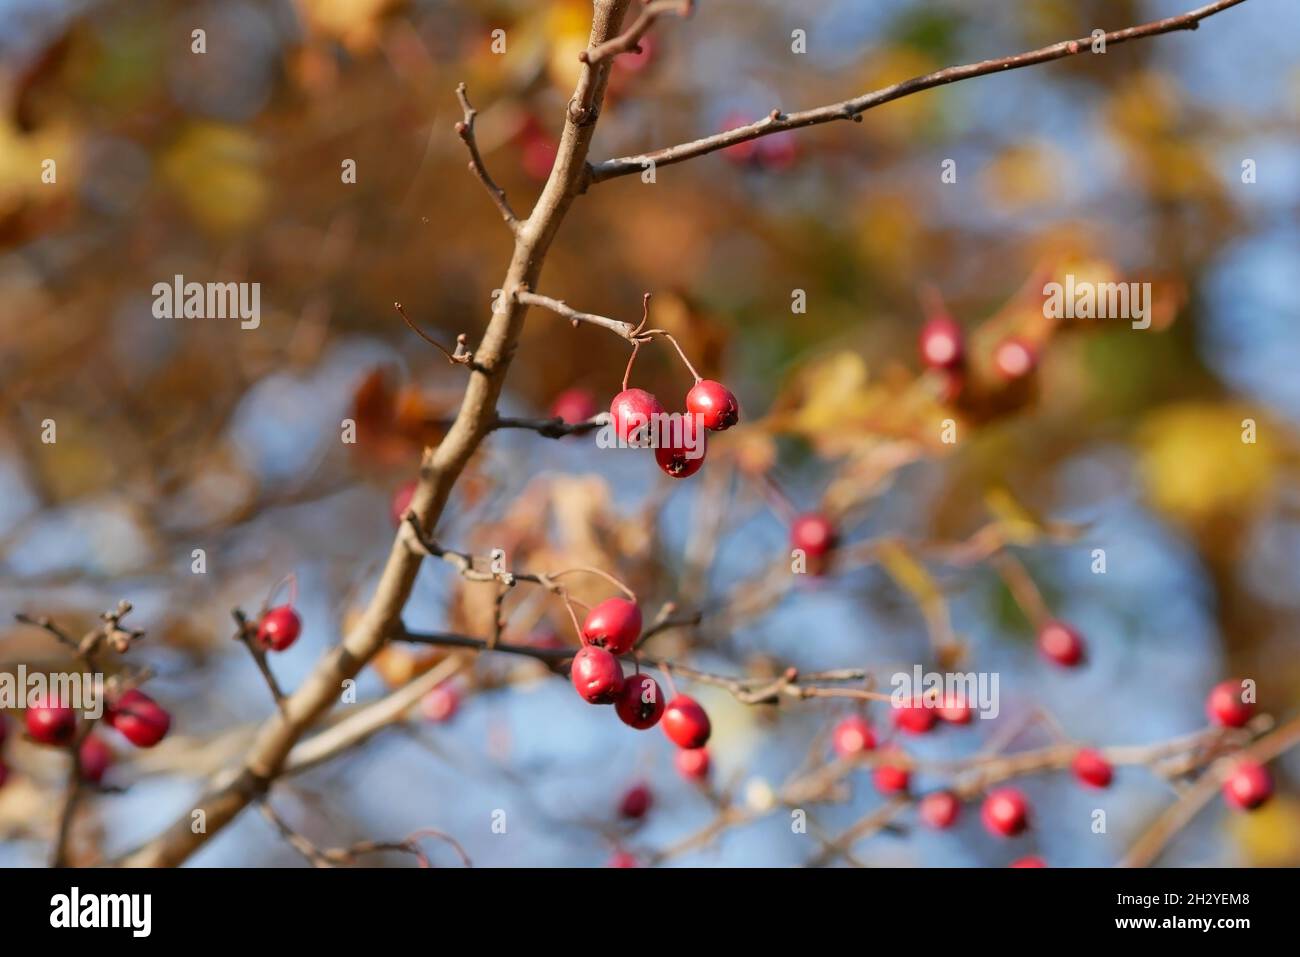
pixel 629 40
pixel 465 130
pixel 852 109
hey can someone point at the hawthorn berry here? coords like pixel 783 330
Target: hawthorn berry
pixel 596 674
pixel 401 502
pixel 715 402
pixel 941 344
pixel 640 704
pixel 94 757
pixel 954 710
pixel 1226 707
pixel 682 455
pixel 852 737
pixel 279 628
pixel 814 534
pixel 614 624
pixel 778 151
pixel 636 801
pixel 49 722
pixel 1014 358
pixel 1005 812
pixel 891 778
pixel 1032 860
pixel 1248 785
pixel 692 763
pixel 633 412
pixel 1060 643
pixel 739 153
pixel 573 406
pixel 138 718
pixel 441 703
pixel 686 723
pixel 939 809
pixel 623 859
pixel 1091 768
pixel 914 718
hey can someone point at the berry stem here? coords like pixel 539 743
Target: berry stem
pixel 627 373
pixel 1022 588
pixel 776 498
pixel 579 569
pixel 665 334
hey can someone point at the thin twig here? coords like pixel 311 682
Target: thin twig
pixel 629 40
pixel 465 130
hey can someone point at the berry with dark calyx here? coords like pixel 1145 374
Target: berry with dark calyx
pixel 1032 860
pixel 715 403
pixel 814 534
pixel 1005 812
pixel 939 809
pixel 614 624
pixel 636 801
pixel 597 675
pixel 640 704
pixel 914 718
pixel 633 413
pixel 1226 707
pixel 892 777
pixel 1248 785
pixel 941 344
pixel 401 502
pixel 279 628
pixel 623 859
pixel 853 736
pixel 681 452
pixel 49 722
pixel 692 764
pixel 93 757
pixel 1014 358
pixel 138 718
pixel 686 723
pixel 1091 768
pixel 441 703
pixel 573 406
pixel 1061 644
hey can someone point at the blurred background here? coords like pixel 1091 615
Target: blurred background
pixel 183 434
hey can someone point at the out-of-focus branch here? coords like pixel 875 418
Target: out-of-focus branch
pixel 852 109
pixel 465 130
pixel 629 40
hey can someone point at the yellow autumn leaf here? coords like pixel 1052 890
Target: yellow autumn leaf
pixel 1026 175
pixel 217 172
pixel 354 23
pixel 1270 836
pixel 834 389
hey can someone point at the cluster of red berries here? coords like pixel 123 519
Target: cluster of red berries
pixel 1248 783
pixel 943 349
pixel 679 451
pixel 133 714
pixel 611 629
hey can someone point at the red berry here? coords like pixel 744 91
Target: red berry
pixel 441 703
pixel 686 723
pixel 623 859
pixel 941 343
pixel 402 501
pixel 94 757
pixel 49 722
pixel 596 674
pixel 1248 785
pixel 693 763
pixel 636 801
pixel 640 704
pixel 954 710
pixel 614 624
pixel 939 809
pixel 715 403
pixel 573 406
pixel 914 718
pixel 1226 707
pixel 852 737
pixel 739 153
pixel 891 778
pixel 1091 768
pixel 633 412
pixel 778 151
pixel 1014 358
pixel 139 718
pixel 680 453
pixel 814 534
pixel 1005 812
pixel 1033 860
pixel 279 628
pixel 1060 643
